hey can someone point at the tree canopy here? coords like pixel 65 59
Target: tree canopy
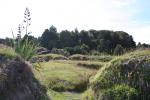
pixel 100 40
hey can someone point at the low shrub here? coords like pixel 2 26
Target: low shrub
pixel 131 69
pixel 47 57
pixel 119 92
pixel 60 51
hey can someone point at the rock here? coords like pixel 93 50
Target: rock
pixel 17 81
pixel 42 50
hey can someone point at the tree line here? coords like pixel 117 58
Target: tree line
pixel 84 42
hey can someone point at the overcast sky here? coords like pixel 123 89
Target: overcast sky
pixel 131 16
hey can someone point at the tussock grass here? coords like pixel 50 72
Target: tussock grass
pixel 88 95
pixel 25 48
pixel 130 69
pixel 7 51
pixel 62 76
pixel 64 79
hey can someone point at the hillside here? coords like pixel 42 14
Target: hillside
pixel 127 75
pixel 78 77
pixel 123 78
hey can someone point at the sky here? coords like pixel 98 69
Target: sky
pixel 131 16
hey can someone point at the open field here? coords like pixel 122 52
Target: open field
pixel 66 79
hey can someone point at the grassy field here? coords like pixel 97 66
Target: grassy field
pixel 66 79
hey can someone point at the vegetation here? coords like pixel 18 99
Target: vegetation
pixel 88 95
pixel 119 92
pixel 17 81
pixel 25 47
pixel 130 69
pixel 85 65
pixel 7 51
pixel 82 42
pixel 118 50
pixel 64 76
pixel 65 79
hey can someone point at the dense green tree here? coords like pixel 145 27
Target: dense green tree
pixel 68 39
pixel 49 38
pixel 86 37
pixel 74 41
pixel 104 46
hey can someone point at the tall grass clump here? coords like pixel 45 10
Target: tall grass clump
pixel 25 47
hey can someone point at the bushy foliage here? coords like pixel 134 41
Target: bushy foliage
pixel 49 38
pixel 24 46
pixel 83 49
pixel 94 52
pixel 47 57
pixel 119 92
pixel 118 50
pixel 60 51
pixel 131 69
pixel 84 41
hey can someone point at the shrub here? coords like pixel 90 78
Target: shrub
pixel 47 57
pixel 79 49
pixel 84 49
pixel 119 92
pixel 60 51
pixel 25 48
pixel 94 52
pixel 131 69
pixel 118 50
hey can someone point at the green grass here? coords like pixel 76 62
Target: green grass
pixel 101 58
pixel 88 95
pixel 60 75
pixel 87 64
pixel 65 80
pixel 64 95
pixel 7 51
pixel 51 56
pixel 124 69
